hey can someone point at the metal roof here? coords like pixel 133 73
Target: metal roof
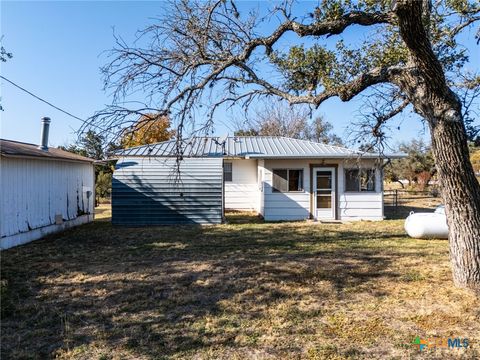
pixel 10 148
pixel 262 147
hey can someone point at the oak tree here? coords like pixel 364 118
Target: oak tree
pixel 418 166
pixel 202 56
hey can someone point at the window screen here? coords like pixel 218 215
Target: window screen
pixel 351 180
pixel 367 180
pixel 227 171
pixel 295 180
pixel 359 180
pixel 285 180
pixel 280 180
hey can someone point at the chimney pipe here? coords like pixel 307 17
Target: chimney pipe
pixel 45 127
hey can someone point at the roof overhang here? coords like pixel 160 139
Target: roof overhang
pixel 47 158
pixel 333 156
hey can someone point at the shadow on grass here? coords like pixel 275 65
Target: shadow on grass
pixel 155 291
pixel 401 212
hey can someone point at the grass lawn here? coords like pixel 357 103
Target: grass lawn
pixel 241 290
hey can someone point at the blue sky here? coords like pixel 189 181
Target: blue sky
pixel 57 49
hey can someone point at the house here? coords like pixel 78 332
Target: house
pixel 278 177
pixel 42 190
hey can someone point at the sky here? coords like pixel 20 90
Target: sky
pixel 59 47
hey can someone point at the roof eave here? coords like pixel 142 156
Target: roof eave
pixel 328 156
pixel 50 158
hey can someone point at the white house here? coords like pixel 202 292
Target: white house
pixel 280 178
pixel 42 190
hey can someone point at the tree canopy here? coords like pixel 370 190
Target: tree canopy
pixel 90 144
pixel 149 129
pixel 95 146
pixel 202 56
pixel 418 167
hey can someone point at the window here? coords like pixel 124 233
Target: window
pixel 351 180
pixel 359 180
pixel 285 180
pixel 367 180
pixel 227 171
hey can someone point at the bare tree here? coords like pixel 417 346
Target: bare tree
pixel 280 119
pixel 204 55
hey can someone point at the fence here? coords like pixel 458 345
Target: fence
pixel 398 197
pixel 398 203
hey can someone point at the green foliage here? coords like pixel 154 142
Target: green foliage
pixel 321 131
pixel 318 68
pixel 334 9
pixel 248 132
pixel 306 69
pixel 103 185
pixel 74 148
pixel 89 145
pixel 461 6
pixel 418 167
pixel 92 145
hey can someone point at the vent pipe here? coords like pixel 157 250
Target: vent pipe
pixel 45 127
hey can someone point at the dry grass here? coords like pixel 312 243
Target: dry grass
pixel 416 203
pixel 103 212
pixel 234 291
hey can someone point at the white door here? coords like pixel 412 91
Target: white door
pixel 324 193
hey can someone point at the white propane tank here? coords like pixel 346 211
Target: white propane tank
pixel 427 225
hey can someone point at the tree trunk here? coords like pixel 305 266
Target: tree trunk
pixel 425 84
pixel 461 195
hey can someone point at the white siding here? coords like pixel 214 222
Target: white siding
pixel 34 191
pixel 360 205
pixel 242 193
pixel 261 181
pixel 296 205
pixel 286 206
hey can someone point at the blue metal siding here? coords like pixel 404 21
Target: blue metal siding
pixel 145 191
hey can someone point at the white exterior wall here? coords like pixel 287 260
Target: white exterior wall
pixel 296 205
pixel 286 206
pixel 33 192
pixel 360 205
pixel 261 181
pixel 242 193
